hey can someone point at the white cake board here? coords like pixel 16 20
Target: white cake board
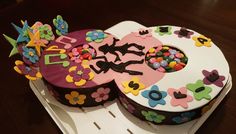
pixel 111 117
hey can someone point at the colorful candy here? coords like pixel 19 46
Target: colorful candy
pixel 84 52
pixel 166 59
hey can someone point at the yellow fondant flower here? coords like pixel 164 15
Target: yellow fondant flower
pixel 30 72
pixel 202 41
pixel 79 75
pixel 75 98
pixel 133 86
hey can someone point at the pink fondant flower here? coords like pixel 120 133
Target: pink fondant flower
pixel 179 97
pixel 101 94
pixel 126 104
pixel 213 78
pixel 143 33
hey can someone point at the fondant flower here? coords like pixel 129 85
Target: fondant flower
pixel 36 26
pixel 95 35
pixel 183 32
pixel 179 97
pixel 199 90
pixel 162 30
pixel 126 104
pixel 202 41
pixel 143 33
pixel 29 72
pixel 155 96
pixel 133 86
pixel 152 116
pixel 75 98
pixel 184 117
pixel 101 94
pixel 46 33
pixel 30 54
pixel 208 107
pixel 213 78
pixel 61 25
pixel 79 75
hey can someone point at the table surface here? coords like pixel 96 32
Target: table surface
pixel 20 110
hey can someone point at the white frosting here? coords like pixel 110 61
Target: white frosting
pixel 199 58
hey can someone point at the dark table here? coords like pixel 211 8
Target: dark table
pixel 20 110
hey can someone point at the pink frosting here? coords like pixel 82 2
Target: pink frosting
pixel 55 74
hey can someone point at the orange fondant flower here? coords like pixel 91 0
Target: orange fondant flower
pixel 75 98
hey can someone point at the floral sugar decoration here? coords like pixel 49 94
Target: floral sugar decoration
pixel 184 32
pixel 202 41
pixel 213 77
pixel 133 86
pixel 164 30
pixel 153 116
pixel 75 98
pixel 155 96
pixel 79 75
pixel 143 33
pixel 29 55
pixel 61 25
pixel 30 43
pixel 184 117
pixel 179 97
pixel 200 91
pixel 29 72
pixel 127 104
pixel 102 94
pixel 96 36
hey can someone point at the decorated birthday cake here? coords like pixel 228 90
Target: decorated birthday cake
pixel 162 74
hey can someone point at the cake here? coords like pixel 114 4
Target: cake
pixel 163 74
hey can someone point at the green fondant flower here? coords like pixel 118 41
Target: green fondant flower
pixel 199 90
pixel 162 30
pixel 46 32
pixel 152 116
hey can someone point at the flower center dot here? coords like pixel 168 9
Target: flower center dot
pixel 80 72
pixel 76 99
pixel 31 53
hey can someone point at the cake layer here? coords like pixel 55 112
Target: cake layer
pixel 163 74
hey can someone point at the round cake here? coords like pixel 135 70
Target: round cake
pixel 162 74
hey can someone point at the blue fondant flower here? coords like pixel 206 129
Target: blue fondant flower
pixel 30 54
pixel 152 116
pixel 95 35
pixel 155 96
pixel 184 117
pixel 61 25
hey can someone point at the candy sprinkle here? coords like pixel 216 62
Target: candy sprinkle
pixel 166 59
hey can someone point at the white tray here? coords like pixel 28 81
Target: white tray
pixel 111 117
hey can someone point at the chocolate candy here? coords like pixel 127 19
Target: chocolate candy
pixel 166 59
